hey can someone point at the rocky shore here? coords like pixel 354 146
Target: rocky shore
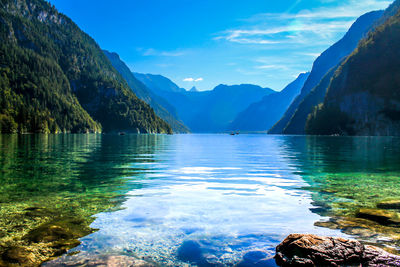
pixel 312 250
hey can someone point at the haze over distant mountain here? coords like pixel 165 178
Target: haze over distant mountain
pixel 363 97
pixel 55 78
pixel 161 107
pixel 327 60
pixel 194 89
pixel 206 111
pixel 262 115
pixel 158 82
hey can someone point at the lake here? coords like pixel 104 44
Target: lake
pixel 169 200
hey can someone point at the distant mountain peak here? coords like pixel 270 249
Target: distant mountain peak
pixel 194 89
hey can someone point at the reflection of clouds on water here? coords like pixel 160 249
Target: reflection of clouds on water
pixel 202 170
pixel 242 196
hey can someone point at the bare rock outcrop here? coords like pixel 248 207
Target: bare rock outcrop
pixel 312 250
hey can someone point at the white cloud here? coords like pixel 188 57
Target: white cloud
pixel 190 79
pixel 313 55
pixel 153 52
pixel 268 67
pixel 346 9
pixel 292 33
pixel 317 26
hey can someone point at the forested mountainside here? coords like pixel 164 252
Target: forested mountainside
pixel 211 111
pixel 363 97
pixel 262 115
pixel 55 78
pixel 329 59
pixel 316 96
pixel 161 106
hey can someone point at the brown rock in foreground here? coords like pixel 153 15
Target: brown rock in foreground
pixel 312 250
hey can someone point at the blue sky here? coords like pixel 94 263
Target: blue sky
pixel 204 43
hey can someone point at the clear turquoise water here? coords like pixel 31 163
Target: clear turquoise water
pixel 147 194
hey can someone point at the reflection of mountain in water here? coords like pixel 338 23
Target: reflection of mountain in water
pixel 52 185
pixel 346 174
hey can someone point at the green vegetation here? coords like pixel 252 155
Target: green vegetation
pixel 161 107
pixel 328 121
pixel 55 78
pixel 366 86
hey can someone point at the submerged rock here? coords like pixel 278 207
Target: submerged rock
pixel 99 260
pixel 190 251
pixel 389 204
pixel 312 250
pixel 45 242
pixel 19 256
pixel 380 216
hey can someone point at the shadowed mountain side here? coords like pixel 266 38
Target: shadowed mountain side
pixel 327 60
pixel 314 98
pixel 161 106
pixel 261 116
pixel 212 111
pixel 364 97
pixel 158 83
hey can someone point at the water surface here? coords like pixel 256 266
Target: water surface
pixel 153 196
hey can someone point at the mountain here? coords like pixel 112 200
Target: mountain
pixel 194 89
pixel 211 111
pixel 363 97
pixel 158 83
pixel 329 59
pixel 262 115
pixel 297 123
pixel 55 78
pixel 161 107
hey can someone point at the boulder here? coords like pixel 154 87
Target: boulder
pixel 389 204
pixel 380 216
pixel 19 256
pixel 312 250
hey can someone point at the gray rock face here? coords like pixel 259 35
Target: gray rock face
pixel 312 250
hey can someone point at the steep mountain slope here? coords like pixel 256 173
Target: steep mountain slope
pixel 297 123
pixel 364 95
pixel 155 101
pixel 261 116
pixel 327 60
pixel 223 104
pixel 158 82
pixel 48 63
pixel 213 111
